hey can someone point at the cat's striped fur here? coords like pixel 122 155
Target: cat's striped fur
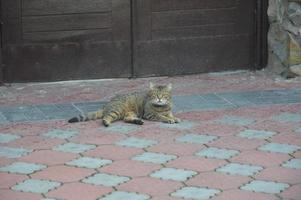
pixel 154 104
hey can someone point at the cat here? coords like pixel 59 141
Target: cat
pixel 155 104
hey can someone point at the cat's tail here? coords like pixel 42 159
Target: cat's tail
pixel 87 117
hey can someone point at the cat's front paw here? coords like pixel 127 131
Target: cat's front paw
pixel 138 121
pixel 170 121
pixel 177 120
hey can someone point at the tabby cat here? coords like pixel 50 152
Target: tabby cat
pixel 154 104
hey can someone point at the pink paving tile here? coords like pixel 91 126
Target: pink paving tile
pixel 15 195
pixel 63 173
pixel 293 108
pixel 218 129
pixel 98 139
pixel 36 142
pixel 275 126
pixel 7 180
pixel 179 149
pixel 297 154
pixel 287 138
pixel 158 134
pixel 48 157
pixel 255 112
pixel 129 168
pixel 200 115
pixel 79 191
pixel 280 174
pixel 6 161
pixel 245 195
pixel 26 129
pixel 236 143
pixel 150 186
pixel 113 152
pixel 261 158
pixel 196 163
pixel 292 193
pixel 218 181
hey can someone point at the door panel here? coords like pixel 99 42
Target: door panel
pixel 183 37
pixel 60 40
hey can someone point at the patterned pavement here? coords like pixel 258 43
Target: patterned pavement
pixel 249 150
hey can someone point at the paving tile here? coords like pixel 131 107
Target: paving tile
pixel 157 158
pixel 120 153
pixel 195 193
pixel 297 154
pixel 107 180
pixel 294 163
pixel 118 195
pixel 256 134
pixel 122 128
pixel 16 195
pixel 9 152
pixel 179 149
pixel 288 117
pixel 240 169
pixel 265 187
pixel 22 168
pixel 61 134
pixel 292 193
pixel 43 156
pixel 6 138
pixel 136 143
pixel 279 148
pixel 36 186
pixel 218 129
pixel 36 142
pixel 235 120
pixel 184 125
pixel 236 143
pixel 88 162
pixel 173 174
pixel 245 195
pixel 218 180
pixel 63 173
pixel 217 153
pixel 99 138
pixel 7 180
pixel 6 161
pixel 129 168
pixel 3 119
pixel 150 186
pixel 164 197
pixel 48 199
pixel 280 174
pixel 291 138
pixel 196 163
pixel 74 147
pixel 196 139
pixel 262 158
pixel 78 191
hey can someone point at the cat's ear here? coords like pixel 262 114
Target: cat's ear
pixel 151 86
pixel 169 86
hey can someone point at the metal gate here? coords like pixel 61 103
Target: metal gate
pixel 60 40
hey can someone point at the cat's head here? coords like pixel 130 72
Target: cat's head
pixel 160 95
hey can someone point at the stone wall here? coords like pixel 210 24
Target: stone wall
pixel 284 37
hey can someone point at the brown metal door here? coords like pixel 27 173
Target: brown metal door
pixel 46 40
pixel 191 36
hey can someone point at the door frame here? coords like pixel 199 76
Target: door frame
pixel 261 34
pixel 1 64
